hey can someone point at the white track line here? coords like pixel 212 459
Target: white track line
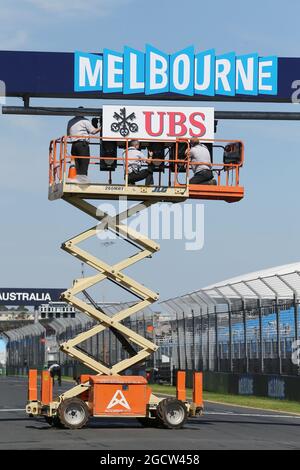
pixel 208 413
pixel 215 413
pixel 3 410
pixel 254 415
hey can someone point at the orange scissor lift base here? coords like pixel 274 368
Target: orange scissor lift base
pixel 114 397
pixel 119 396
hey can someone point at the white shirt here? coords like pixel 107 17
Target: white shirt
pixel 200 153
pixel 133 165
pixel 78 126
pixel 54 366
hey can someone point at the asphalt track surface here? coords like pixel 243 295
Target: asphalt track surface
pixel 221 427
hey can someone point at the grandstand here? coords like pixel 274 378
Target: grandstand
pixel 244 324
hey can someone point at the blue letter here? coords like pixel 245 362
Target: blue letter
pixel 225 74
pixel 205 73
pixel 87 72
pixel 247 74
pixel 134 71
pixel 182 72
pixel 112 71
pixel 268 75
pixel 157 71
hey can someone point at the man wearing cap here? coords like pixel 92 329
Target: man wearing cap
pixel 200 155
pixel 80 127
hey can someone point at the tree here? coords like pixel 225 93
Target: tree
pixel 21 308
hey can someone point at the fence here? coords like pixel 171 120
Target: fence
pixel 256 340
pixel 25 348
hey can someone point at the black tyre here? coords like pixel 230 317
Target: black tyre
pixel 73 413
pixel 172 413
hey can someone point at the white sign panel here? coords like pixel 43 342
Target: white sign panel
pixel 157 122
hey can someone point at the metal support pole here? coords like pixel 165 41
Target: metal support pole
pixel 208 342
pixel 194 341
pixel 178 342
pixel 296 317
pixel 217 341
pixel 245 338
pixel 278 337
pixel 201 340
pixel 261 346
pixel 185 341
pixel 97 112
pixel 230 340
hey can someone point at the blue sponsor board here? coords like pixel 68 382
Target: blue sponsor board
pixel 132 74
pixel 246 385
pixel 28 297
pixel 276 387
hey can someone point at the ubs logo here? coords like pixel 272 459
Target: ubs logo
pixel 124 124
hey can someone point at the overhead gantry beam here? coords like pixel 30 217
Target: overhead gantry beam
pixel 219 115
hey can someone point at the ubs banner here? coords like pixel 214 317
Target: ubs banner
pixel 28 297
pixel 167 123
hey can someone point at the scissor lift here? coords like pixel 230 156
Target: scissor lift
pixel 108 393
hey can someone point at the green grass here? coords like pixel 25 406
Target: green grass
pixel 284 406
pixel 67 378
pixel 247 401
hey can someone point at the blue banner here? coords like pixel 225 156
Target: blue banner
pixel 28 297
pixel 185 75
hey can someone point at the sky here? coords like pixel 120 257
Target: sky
pixel 259 232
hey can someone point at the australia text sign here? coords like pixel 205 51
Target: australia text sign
pixel 184 72
pixel 158 122
pixel 34 297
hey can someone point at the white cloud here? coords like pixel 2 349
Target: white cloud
pixel 15 40
pixel 71 7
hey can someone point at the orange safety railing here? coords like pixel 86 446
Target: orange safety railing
pixel 226 174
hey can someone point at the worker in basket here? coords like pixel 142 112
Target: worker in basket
pixel 200 155
pixel 79 128
pixel 135 161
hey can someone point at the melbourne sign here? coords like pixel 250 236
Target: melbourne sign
pixel 151 74
pixel 184 72
pixel 30 297
pixel 157 122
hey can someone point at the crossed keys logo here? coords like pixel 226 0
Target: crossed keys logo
pixel 124 123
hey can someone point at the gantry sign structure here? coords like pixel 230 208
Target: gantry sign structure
pixel 132 75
